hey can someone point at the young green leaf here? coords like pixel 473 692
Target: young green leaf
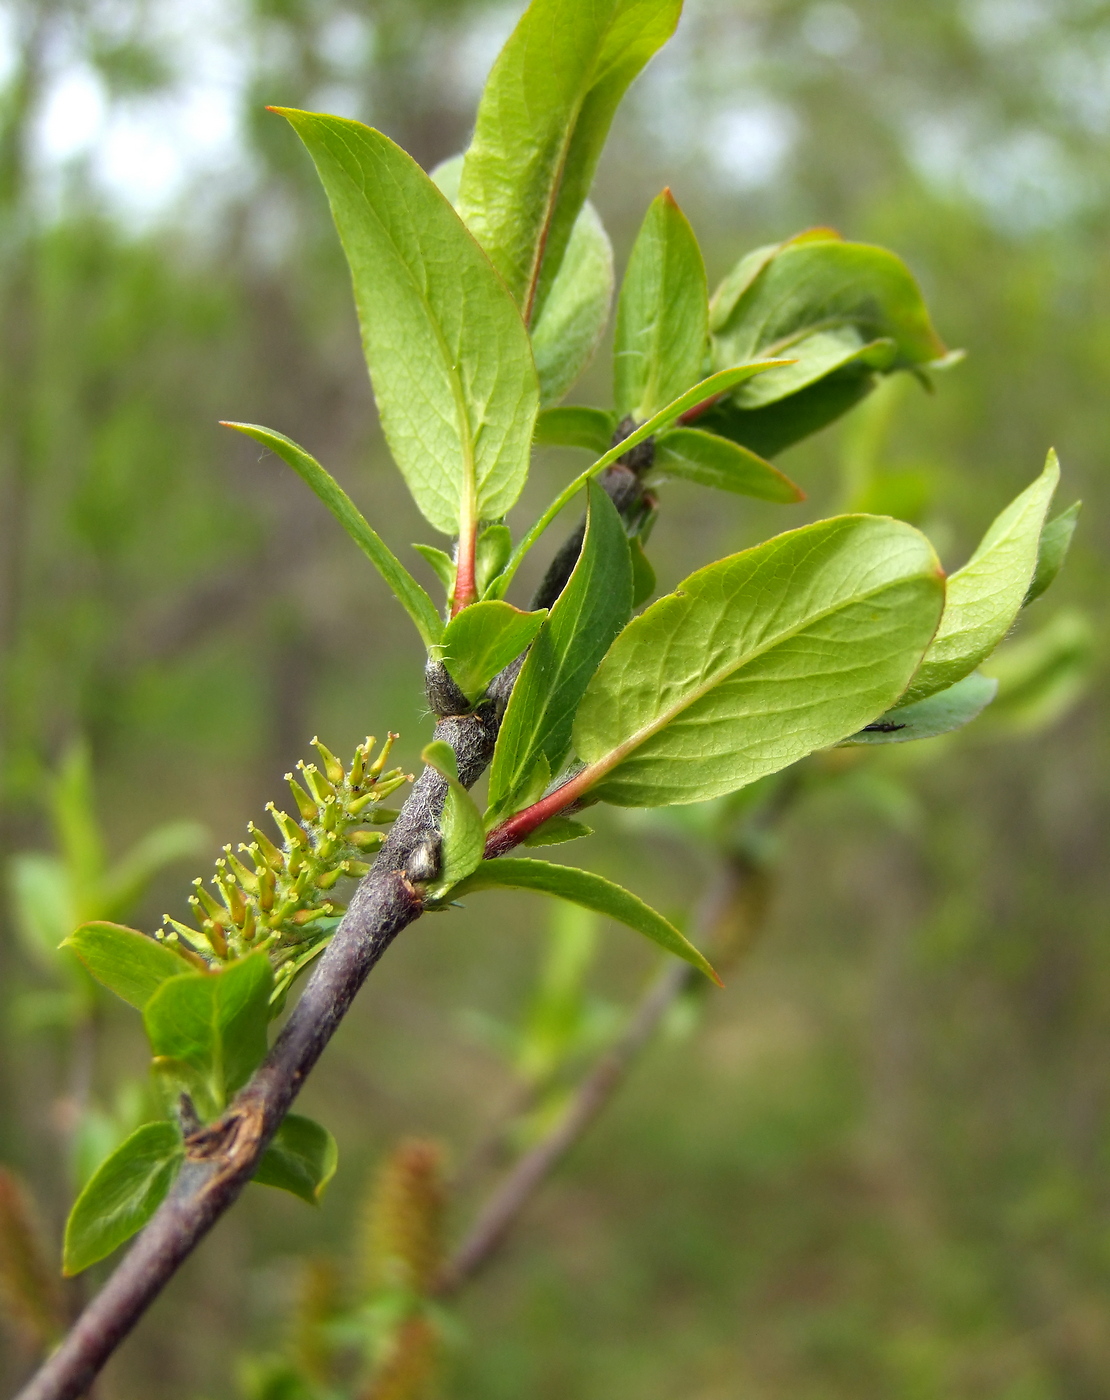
pixel 461 828
pixel 566 333
pixel 643 575
pixel 1056 538
pixel 1041 676
pixel 662 314
pixel 758 660
pixel 122 1195
pixel 591 892
pixel 590 611
pixel 710 460
pixel 405 588
pixel 708 390
pixel 985 596
pixel 542 121
pixel 447 350
pixel 771 430
pixel 576 426
pixel 556 831
pixel 495 544
pixel 442 563
pixel 482 640
pixel 301 1158
pixel 208 1030
pixel 926 719
pixel 824 284
pixel 815 357
pixel 125 961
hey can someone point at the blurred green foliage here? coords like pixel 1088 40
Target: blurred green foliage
pixel 879 1169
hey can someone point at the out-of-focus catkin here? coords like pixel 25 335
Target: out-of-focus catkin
pixel 30 1290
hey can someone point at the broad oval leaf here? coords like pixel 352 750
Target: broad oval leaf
pixel 927 719
pixel 302 1158
pixel 482 640
pixel 662 314
pixel 710 460
pixel 124 960
pixel 447 350
pixel 542 121
pixel 590 891
pixel 208 1030
pixel 462 832
pixel 122 1194
pixel 404 587
pixel 590 611
pixel 986 595
pixel 574 316
pixel 758 660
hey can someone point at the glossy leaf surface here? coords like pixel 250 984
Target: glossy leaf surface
pixel 758 660
pixel 986 595
pixel 590 611
pixel 574 316
pixel 591 892
pixel 542 121
pixel 662 314
pixel 404 587
pixel 926 719
pixel 301 1159
pixel 695 455
pixel 122 1194
pixel 125 961
pixel 447 350
pixel 482 640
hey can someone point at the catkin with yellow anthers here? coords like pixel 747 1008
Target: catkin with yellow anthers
pixel 281 904
pixel 29 1287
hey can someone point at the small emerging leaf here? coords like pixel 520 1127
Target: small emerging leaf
pixel 442 564
pixel 556 831
pixel 1056 538
pixel 985 596
pixel 122 1194
pixel 495 544
pixel 926 719
pixel 481 641
pixel 302 1159
pixel 125 961
pixel 461 828
pixel 591 892
pixel 710 460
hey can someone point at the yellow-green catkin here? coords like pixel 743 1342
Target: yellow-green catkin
pixel 29 1291
pixel 408 1370
pixel 403 1241
pixel 280 896
pixel 318 1304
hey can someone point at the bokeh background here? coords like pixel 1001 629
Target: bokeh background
pixel 878 1166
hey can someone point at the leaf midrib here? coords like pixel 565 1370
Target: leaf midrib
pixel 605 765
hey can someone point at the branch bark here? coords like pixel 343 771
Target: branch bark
pixel 221 1158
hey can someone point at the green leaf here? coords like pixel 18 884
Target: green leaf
pixel 662 314
pixel 926 719
pixel 208 1030
pixel 575 426
pixel 591 892
pixel 556 831
pixel 574 316
pixel 771 430
pixel 122 1195
pixel 125 961
pixel 447 350
pixel 816 356
pixel 405 588
pixel 482 640
pixel 42 904
pixel 542 121
pixel 758 660
pixel 442 563
pixel 819 283
pixel 73 808
pixel 495 544
pixel 302 1158
pixel 590 611
pixel 1040 677
pixel 643 575
pixel 1056 538
pixel 708 390
pixel 710 460
pixel 461 828
pixel 985 596
pixel 126 882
